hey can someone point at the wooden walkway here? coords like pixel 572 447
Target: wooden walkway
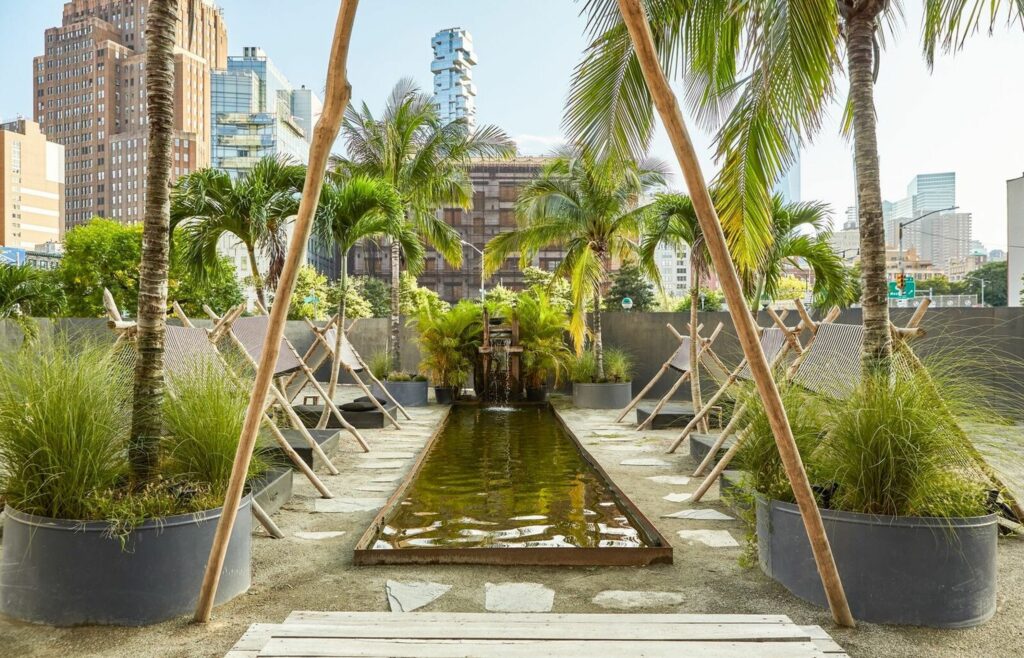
pixel 452 635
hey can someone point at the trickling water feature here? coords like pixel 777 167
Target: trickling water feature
pixel 510 485
pixel 499 361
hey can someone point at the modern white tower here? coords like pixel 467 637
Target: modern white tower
pixel 454 92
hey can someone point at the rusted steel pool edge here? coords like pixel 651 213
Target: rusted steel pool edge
pixel 659 550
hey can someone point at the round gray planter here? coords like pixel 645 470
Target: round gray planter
pixel 895 570
pixel 65 573
pixel 407 394
pixel 601 396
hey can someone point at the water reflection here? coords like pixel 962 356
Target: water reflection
pixel 506 478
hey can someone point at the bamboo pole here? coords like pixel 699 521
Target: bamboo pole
pixel 635 18
pixel 705 346
pixel 336 100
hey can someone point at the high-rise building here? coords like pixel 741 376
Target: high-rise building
pixel 788 184
pixel 31 187
pixel 673 268
pixel 258 113
pixel 1015 241
pixel 454 91
pixel 496 186
pixel 939 238
pixel 89 88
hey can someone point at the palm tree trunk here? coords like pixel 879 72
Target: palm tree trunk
pixel 598 342
pixel 695 395
pixel 257 281
pixel 332 386
pixel 877 350
pixel 147 417
pixel 395 344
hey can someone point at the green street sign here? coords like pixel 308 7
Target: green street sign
pixel 311 299
pixel 909 289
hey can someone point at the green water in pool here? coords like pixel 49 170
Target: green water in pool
pixel 506 477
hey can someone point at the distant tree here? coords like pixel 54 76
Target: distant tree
pixel 376 293
pixel 559 291
pixel 500 296
pixel 105 254
pixel 630 282
pixel 996 278
pixel 356 305
pixel 708 300
pixel 413 298
pixel 309 297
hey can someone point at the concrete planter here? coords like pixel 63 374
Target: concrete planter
pixel 66 573
pixel 601 396
pixel 895 570
pixel 407 394
pixel 537 394
pixel 273 489
pixel 445 394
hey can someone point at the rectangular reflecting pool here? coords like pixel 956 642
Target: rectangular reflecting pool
pixel 509 485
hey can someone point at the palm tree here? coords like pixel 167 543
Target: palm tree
pixel 590 206
pixel 355 209
pixel 27 291
pixel 255 208
pixel 764 74
pixel 151 317
pixel 673 221
pixel 423 158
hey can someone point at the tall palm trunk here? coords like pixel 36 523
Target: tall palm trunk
pixel 339 335
pixel 257 280
pixel 877 350
pixel 147 419
pixel 394 343
pixel 598 342
pixel 695 395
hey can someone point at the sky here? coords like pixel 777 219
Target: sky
pixel 965 116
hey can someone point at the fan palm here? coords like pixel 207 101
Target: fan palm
pixel 425 160
pixel 764 73
pixel 354 209
pixel 590 206
pixel 255 208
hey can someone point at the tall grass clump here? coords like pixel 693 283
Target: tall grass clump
pixel 618 367
pixel 203 422
pixel 64 421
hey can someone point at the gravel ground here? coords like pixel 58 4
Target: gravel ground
pixel 296 574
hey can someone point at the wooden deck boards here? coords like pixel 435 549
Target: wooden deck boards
pixel 451 635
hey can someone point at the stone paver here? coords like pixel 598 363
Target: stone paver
pixel 347 505
pixel 647 461
pixel 406 596
pixel 677 497
pixel 699 515
pixel 518 597
pixel 713 538
pixel 670 479
pixel 614 599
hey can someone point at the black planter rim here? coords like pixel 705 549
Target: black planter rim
pixel 892 521
pixel 71 525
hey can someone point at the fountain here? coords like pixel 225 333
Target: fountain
pixel 498 371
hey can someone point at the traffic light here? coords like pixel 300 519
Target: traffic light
pixel 901 281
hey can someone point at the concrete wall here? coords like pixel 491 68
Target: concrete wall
pixel 991 338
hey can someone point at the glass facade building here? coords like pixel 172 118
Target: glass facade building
pixel 454 91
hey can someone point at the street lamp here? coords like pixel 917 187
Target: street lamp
pixel 471 246
pixel 908 223
pixel 978 278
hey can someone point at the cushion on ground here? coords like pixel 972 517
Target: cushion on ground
pixel 366 398
pixel 356 405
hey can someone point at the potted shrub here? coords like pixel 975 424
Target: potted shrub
pixel 905 508
pixel 85 543
pixel 542 333
pixel 613 391
pixel 448 341
pixel 408 389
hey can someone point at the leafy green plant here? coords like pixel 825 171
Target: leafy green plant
pixel 542 332
pixel 448 342
pixel 203 421
pixel 64 419
pixel 583 367
pixel 618 365
pixel 380 364
pixel 398 376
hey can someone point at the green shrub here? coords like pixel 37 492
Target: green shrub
pixel 64 420
pixel 448 342
pixel 583 367
pixel 380 364
pixel 618 365
pixel 542 332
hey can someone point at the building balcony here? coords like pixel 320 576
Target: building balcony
pixel 244 118
pixel 252 141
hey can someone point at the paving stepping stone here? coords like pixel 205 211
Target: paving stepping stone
pixel 387 455
pixel 647 461
pixel 677 497
pixel 629 448
pixel 614 599
pixel 669 479
pixel 621 439
pixel 713 538
pixel 346 505
pixel 377 487
pixel 318 536
pixel 699 515
pixel 381 464
pixel 412 595
pixel 608 432
pixel 518 597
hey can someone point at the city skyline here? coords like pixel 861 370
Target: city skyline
pixel 922 116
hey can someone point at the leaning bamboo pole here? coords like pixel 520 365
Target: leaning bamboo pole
pixel 635 18
pixel 336 100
